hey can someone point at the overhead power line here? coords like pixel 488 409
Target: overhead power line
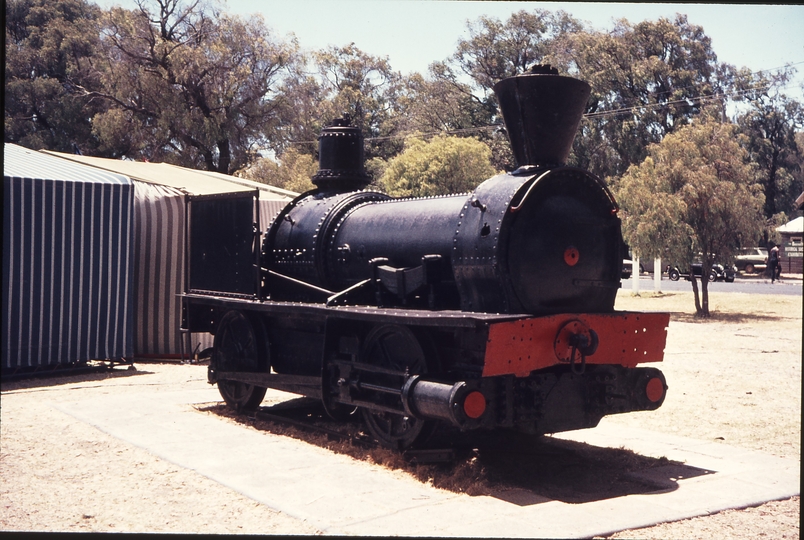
pixel 598 114
pixel 683 101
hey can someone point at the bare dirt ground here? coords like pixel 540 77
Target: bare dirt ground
pixel 735 378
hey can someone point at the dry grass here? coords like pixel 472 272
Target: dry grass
pixel 483 464
pixel 724 306
pixel 735 377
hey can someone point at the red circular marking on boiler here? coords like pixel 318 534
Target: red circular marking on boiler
pixel 655 389
pixel 571 256
pixel 474 405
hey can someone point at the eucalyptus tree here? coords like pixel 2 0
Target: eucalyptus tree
pixel 439 166
pixel 459 89
pixel 495 49
pixel 302 111
pixel 188 84
pixel 50 50
pixel 442 104
pixel 770 121
pixel 292 171
pixel 439 105
pixel 648 79
pixel 367 90
pixel 691 198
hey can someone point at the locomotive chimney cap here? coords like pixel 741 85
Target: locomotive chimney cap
pixel 340 157
pixel 543 69
pixel 343 121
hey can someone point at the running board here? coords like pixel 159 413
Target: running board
pixel 297 384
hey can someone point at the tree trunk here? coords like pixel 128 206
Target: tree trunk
pixel 705 295
pixel 770 187
pixel 703 308
pixel 224 156
pixel 694 280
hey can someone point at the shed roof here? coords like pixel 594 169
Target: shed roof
pixel 21 162
pixel 281 193
pixel 187 180
pixel 794 226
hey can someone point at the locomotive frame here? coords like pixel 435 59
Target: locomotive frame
pixel 456 325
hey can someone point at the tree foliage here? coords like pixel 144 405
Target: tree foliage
pixel 188 85
pixel 458 93
pixel 496 50
pixel 293 171
pixel 442 104
pixel 440 166
pixel 50 48
pixel 692 197
pixel 302 111
pixel 365 88
pixel 647 81
pixel 770 125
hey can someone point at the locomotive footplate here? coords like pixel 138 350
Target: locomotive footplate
pixel 296 384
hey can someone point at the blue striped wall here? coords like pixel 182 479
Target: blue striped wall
pixel 67 262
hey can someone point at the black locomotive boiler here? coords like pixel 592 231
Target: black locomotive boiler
pixel 493 309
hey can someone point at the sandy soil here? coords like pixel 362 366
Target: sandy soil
pixel 735 379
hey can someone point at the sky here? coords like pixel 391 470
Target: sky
pixel 415 33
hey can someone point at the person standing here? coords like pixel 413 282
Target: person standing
pixel 774 264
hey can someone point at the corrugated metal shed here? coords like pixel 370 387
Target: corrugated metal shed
pixel 158 271
pixel 186 180
pixel 160 191
pixel 192 182
pixel 67 254
pixel 272 199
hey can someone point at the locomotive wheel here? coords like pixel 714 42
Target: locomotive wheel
pixel 395 347
pixel 240 345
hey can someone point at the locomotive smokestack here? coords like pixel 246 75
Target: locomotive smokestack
pixel 541 111
pixel 340 158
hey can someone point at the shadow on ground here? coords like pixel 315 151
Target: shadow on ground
pixel 52 378
pixel 519 469
pixel 715 316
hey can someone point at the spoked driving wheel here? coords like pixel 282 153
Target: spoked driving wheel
pixel 396 348
pixel 240 345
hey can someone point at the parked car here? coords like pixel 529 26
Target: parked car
pixel 645 265
pixel 750 260
pixel 718 272
pixel 628 268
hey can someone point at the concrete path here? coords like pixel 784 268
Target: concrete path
pixel 342 496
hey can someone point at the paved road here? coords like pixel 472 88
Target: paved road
pixel 752 285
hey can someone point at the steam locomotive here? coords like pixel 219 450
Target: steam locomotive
pixel 487 310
